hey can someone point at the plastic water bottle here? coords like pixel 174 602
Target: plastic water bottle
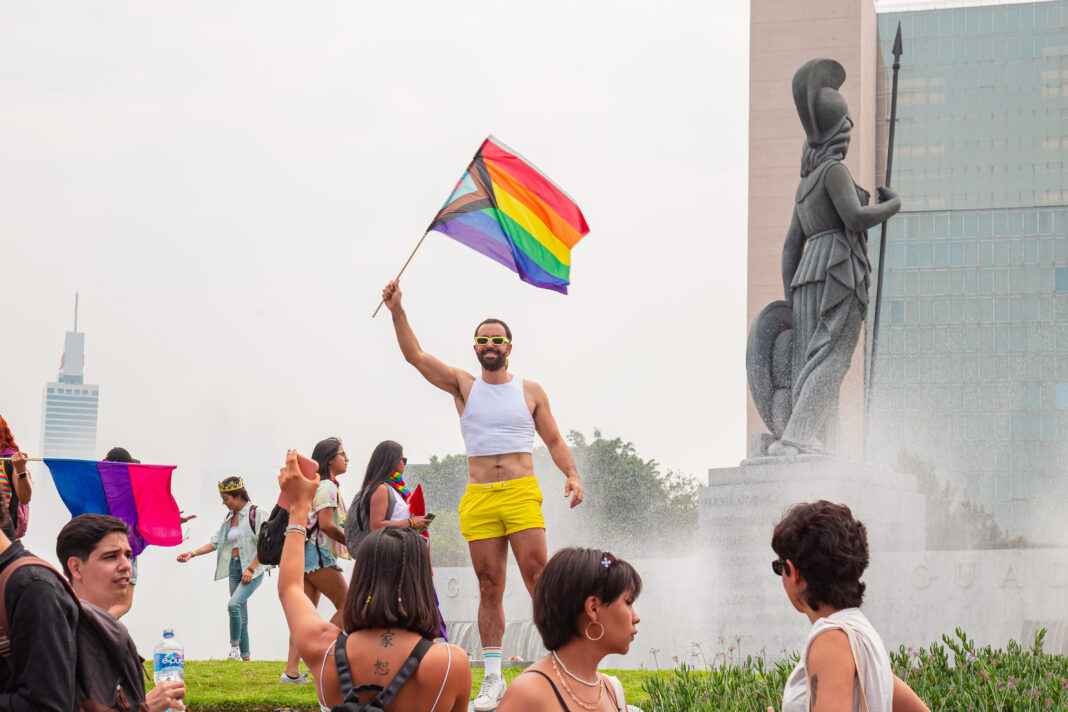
pixel 168 659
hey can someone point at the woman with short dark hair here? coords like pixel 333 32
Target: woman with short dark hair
pixel 584 610
pixel 389 611
pixel 236 558
pixel 822 553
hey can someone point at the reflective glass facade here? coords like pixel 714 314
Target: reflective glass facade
pixel 973 344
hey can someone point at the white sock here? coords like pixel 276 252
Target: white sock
pixel 491 660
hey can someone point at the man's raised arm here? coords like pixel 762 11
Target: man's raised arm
pixel 433 369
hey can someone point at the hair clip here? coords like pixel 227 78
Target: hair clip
pixel 607 560
pixel 368 600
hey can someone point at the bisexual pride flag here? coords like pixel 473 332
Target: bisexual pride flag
pixel 139 495
pixel 508 210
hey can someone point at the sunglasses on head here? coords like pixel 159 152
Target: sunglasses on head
pixel 779 566
pixel 495 340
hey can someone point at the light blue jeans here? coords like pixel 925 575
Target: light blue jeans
pixel 238 605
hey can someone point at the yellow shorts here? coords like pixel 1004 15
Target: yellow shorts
pixel 501 508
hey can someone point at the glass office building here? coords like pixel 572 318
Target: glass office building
pixel 973 341
pixel 68 428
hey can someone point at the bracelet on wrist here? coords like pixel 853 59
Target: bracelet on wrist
pixel 411 524
pixel 296 529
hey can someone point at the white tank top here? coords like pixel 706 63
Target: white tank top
pixel 400 508
pixel 873 664
pixel 496 419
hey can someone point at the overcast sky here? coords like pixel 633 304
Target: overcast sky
pixel 229 185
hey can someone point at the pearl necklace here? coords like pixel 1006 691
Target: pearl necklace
pixel 570 674
pixel 572 695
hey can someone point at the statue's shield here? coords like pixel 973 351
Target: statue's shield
pixel 767 364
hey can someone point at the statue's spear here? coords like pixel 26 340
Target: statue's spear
pixel 896 51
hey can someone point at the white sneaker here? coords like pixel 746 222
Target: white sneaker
pixel 235 654
pixel 489 696
pixel 301 679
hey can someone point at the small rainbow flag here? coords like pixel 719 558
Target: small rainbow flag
pixel 139 495
pixel 508 210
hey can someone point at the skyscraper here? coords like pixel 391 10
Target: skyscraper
pixel 973 340
pixel 68 427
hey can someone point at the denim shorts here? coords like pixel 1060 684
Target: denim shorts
pixel 312 552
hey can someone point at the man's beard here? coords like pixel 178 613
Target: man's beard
pixel 495 365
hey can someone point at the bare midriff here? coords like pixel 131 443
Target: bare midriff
pixel 484 469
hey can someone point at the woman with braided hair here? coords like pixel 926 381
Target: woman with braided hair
pixel 822 553
pixel 387 658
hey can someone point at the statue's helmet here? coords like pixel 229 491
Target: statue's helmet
pixel 819 105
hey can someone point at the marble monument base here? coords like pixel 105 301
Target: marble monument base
pixel 744 602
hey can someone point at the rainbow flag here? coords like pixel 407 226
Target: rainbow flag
pixel 511 212
pixel 139 495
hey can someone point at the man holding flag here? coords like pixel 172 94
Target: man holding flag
pixel 499 414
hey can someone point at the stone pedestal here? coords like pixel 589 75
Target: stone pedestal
pixel 738 512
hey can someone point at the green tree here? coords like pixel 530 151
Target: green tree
pixel 444 481
pixel 953 522
pixel 631 507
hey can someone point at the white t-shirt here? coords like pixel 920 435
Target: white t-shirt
pixel 327 496
pixel 873 664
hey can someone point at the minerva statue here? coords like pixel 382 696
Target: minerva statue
pixel 799 349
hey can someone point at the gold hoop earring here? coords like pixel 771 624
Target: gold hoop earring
pixel 587 631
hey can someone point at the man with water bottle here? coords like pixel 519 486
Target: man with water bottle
pixel 94 550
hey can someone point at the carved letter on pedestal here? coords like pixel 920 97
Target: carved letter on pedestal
pixel 1010 575
pixel 962 579
pixel 921 576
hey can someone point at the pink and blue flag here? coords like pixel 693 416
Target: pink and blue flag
pixel 139 495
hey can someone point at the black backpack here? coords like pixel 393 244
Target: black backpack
pixel 272 537
pixel 385 695
pixel 108 673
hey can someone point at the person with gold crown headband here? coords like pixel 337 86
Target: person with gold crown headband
pixel 235 547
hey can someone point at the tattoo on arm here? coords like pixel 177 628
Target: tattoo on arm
pixel 386 638
pixel 815 687
pixel 381 667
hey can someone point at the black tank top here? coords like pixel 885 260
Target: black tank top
pixel 555 691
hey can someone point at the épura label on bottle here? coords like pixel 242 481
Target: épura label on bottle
pixel 169 660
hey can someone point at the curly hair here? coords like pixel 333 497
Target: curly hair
pixel 7 440
pixel 829 548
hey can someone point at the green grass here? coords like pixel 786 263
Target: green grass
pixel 232 686
pixel 955 675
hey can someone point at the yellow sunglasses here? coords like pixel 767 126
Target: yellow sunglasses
pixel 495 340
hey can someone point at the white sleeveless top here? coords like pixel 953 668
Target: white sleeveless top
pixel 873 664
pixel 400 507
pixel 496 419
